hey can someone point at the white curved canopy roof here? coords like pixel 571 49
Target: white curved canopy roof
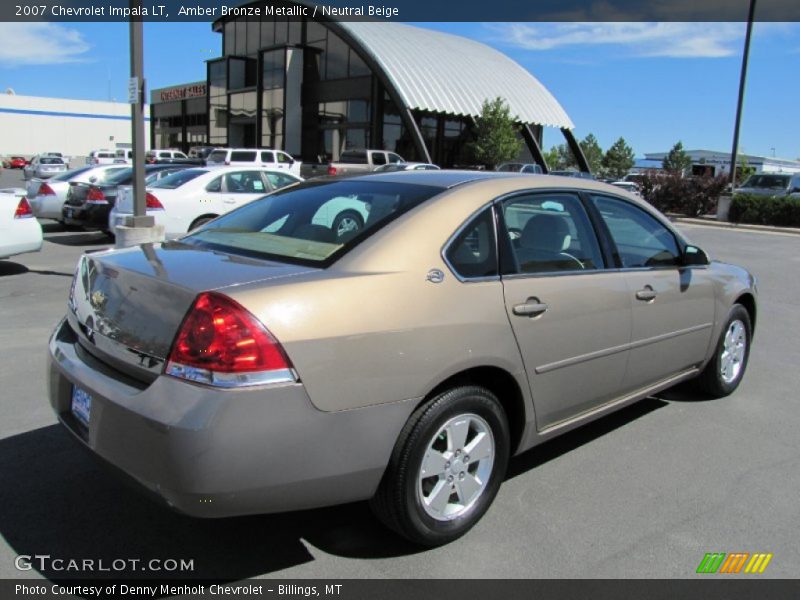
pixel 446 73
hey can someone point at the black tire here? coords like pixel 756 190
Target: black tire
pixel 711 380
pixel 200 221
pixel 347 217
pixel 398 502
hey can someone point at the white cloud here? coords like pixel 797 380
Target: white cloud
pixel 683 40
pixel 41 44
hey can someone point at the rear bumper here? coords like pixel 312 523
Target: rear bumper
pixel 47 207
pixel 23 236
pixel 90 216
pixel 217 453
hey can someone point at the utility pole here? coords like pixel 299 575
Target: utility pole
pixel 139 228
pixel 742 80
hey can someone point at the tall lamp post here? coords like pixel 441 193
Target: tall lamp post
pixel 742 80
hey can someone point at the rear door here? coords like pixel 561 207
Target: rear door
pixel 673 305
pixel 570 314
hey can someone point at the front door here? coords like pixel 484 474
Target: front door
pixel 571 316
pixel 673 305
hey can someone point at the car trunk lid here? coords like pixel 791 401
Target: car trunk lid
pixel 127 306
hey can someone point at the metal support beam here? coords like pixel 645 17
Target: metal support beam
pixel 419 141
pixel 742 81
pixel 139 218
pixel 576 150
pixel 533 146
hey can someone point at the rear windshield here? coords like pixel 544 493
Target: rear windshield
pixel 121 177
pixel 170 182
pixel 67 175
pixel 314 223
pixel 51 161
pixel 770 182
pixel 218 156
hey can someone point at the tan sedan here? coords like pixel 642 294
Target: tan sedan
pixel 270 361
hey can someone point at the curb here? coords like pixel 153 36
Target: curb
pixel 737 226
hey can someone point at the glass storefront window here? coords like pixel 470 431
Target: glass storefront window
pixel 242 73
pixel 336 57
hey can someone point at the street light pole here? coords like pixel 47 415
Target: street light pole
pixel 742 80
pixel 140 218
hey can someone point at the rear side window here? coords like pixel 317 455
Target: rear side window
pixel 354 157
pixel 550 233
pixel 243 156
pixel 314 223
pixel 473 252
pixel 378 158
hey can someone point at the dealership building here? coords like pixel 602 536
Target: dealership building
pixel 713 162
pixel 315 88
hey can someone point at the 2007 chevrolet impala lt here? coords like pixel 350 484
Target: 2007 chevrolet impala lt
pixel 269 361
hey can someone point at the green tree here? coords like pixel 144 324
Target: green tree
pixel 551 158
pixel 593 153
pixel 618 160
pixel 496 138
pixel 677 161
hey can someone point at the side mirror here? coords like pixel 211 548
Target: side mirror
pixel 694 256
pixel 92 179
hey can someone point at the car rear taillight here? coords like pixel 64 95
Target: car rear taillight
pixel 152 202
pixel 45 190
pixel 95 196
pixel 331 170
pixel 220 343
pixel 23 209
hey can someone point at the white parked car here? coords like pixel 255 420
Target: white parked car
pixel 251 157
pixel 191 197
pixel 43 167
pixel 101 157
pixel 47 196
pixel 153 156
pixel 20 232
pixel 628 186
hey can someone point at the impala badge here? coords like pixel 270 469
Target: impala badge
pixel 435 276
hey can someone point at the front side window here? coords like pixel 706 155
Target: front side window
pixel 640 240
pixel 279 180
pixel 394 158
pixel 473 253
pixel 284 159
pixel 550 232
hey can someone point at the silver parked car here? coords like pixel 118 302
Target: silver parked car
pixel 47 196
pixel 44 167
pixel 268 361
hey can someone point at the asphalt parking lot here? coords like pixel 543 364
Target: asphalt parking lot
pixel 645 492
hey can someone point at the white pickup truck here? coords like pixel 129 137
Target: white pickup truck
pixel 362 161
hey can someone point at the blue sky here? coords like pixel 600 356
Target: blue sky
pixel 653 84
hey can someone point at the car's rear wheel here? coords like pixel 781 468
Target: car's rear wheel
pixel 446 467
pixel 725 370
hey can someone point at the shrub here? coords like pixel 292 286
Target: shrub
pixel 781 211
pixel 691 196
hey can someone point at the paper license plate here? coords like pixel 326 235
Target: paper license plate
pixel 81 405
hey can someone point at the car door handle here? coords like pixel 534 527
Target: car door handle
pixel 646 294
pixel 531 308
pixel 229 201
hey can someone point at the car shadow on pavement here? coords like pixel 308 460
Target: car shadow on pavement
pixel 8 268
pixel 57 500
pixel 80 238
pixel 576 438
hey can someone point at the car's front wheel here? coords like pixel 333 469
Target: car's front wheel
pixel 446 467
pixel 726 368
